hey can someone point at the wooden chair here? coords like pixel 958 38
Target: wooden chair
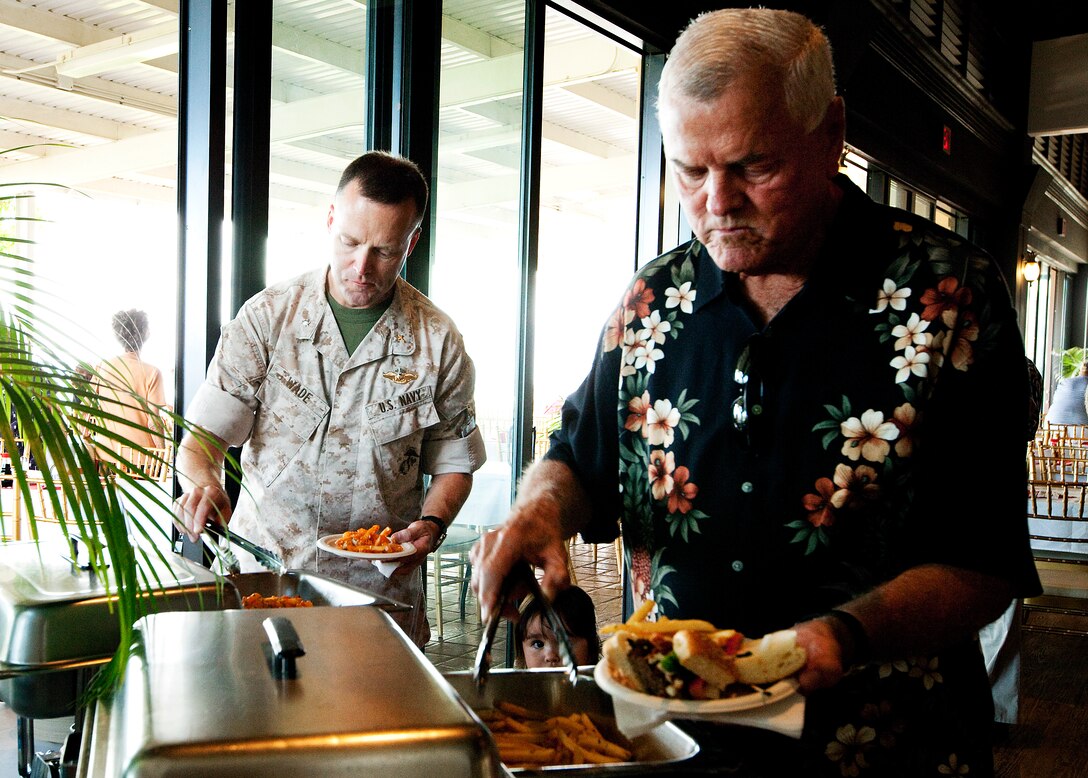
pixel 153 464
pixel 1058 527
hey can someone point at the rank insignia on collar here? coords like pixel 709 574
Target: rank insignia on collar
pixel 400 376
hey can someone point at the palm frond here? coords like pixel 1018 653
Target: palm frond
pixel 53 399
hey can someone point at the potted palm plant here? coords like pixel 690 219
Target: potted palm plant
pixel 56 415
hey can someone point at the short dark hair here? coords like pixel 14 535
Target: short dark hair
pixel 130 328
pixel 387 178
pixel 575 609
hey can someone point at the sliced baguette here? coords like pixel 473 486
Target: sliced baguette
pixel 771 658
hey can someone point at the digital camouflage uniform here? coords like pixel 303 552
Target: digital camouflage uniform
pixel 336 441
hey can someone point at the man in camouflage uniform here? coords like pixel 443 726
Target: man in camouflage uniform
pixel 346 385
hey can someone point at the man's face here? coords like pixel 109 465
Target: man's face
pixel 755 187
pixel 370 242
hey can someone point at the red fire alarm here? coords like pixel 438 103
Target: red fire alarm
pixel 946 140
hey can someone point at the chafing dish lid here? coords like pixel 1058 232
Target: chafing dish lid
pixel 202 688
pixel 52 612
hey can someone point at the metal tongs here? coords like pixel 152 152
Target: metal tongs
pixel 225 537
pixel 522 573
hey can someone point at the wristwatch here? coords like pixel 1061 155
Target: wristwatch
pixel 441 530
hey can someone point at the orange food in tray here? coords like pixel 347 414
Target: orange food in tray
pixel 368 540
pixel 258 600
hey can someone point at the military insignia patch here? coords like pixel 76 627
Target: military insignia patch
pixel 400 376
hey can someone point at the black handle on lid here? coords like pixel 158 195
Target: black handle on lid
pixel 286 646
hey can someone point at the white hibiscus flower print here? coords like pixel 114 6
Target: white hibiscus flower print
pixel 890 295
pixel 868 436
pixel 913 333
pixel 646 356
pixel 653 328
pixel 681 298
pixel 661 421
pixel 911 361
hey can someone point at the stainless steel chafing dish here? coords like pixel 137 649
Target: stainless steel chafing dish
pixel 56 619
pixel 550 691
pixel 202 698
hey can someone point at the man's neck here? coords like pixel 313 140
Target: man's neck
pixel 767 295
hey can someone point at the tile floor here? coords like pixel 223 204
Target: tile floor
pixel 595 570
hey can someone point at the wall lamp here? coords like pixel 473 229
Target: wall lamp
pixel 1031 268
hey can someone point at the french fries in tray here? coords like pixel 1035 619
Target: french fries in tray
pixel 530 739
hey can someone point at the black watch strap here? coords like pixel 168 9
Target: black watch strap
pixel 442 528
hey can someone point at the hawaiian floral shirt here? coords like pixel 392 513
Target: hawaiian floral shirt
pixel 884 430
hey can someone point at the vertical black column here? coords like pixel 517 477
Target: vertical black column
pixel 380 74
pixel 249 169
pixel 201 128
pixel 651 165
pixel 250 148
pixel 418 54
pixel 528 229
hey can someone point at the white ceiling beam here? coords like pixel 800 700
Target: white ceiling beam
pixel 11 140
pixel 318 115
pixel 97 88
pixel 311 48
pixel 605 98
pixel 121 51
pixel 48 25
pixel 564 64
pixel 63 119
pixel 473 40
pixel 90 164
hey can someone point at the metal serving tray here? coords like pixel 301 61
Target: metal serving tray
pixel 550 691
pixel 54 616
pixel 200 699
pixel 319 589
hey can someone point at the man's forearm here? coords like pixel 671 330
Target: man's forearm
pixel 928 607
pixel 200 460
pixel 446 494
pixel 550 488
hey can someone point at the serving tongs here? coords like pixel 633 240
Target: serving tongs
pixel 224 537
pixel 522 573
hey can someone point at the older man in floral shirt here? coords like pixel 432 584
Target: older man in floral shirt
pixel 802 418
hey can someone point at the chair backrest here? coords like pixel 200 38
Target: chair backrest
pixel 154 464
pixel 1058 520
pixel 1064 459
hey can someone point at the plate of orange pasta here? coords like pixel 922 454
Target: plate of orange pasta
pixel 366 543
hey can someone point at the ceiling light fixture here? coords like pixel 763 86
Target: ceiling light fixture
pixel 154 42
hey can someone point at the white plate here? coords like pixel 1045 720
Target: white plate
pixel 327 544
pixel 779 691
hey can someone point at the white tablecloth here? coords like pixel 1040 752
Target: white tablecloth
pixel 489 501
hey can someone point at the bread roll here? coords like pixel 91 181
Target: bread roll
pixel 698 652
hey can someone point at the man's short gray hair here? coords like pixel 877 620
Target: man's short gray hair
pixel 719 46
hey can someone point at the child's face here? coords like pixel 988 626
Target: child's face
pixel 541 649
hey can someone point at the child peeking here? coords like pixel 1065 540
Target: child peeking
pixel 535 644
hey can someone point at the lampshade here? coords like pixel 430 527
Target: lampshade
pixel 1031 271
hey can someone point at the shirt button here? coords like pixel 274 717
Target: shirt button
pixel 737 566
pixel 747 487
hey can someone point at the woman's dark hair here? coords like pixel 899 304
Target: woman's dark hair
pixel 575 609
pixel 130 328
pixel 388 179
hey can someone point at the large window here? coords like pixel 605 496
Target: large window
pixel 586 237
pixel 317 125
